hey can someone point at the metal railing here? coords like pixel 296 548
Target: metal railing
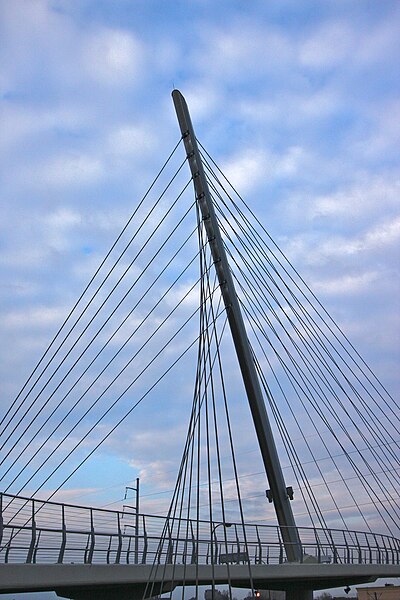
pixel 34 531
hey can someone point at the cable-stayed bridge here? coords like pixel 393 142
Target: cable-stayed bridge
pixel 213 296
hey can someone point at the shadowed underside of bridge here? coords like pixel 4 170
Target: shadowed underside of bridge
pixel 107 582
pixel 337 426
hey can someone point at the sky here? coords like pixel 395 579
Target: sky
pixel 298 102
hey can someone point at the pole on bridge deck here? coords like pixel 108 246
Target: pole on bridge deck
pixel 278 490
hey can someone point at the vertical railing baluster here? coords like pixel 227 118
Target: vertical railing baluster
pixel 1 518
pixel 145 542
pixel 193 559
pixel 92 538
pixel 36 548
pixel 259 558
pixel 170 548
pixel 33 536
pixel 63 536
pixel 119 549
pixel 9 546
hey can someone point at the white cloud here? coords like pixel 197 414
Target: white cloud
pixel 245 171
pixel 243 49
pixel 252 167
pixel 346 284
pixel 72 169
pixel 39 318
pixel 131 139
pixel 62 218
pixel 383 235
pixel 112 56
pixel 366 197
pixel 328 46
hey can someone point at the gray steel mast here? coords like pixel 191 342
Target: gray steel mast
pixel 278 490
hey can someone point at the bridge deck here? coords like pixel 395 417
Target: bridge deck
pixel 79 581
pixel 84 552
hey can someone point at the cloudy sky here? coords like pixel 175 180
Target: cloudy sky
pixel 298 102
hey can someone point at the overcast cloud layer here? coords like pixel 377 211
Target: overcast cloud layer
pixel 297 101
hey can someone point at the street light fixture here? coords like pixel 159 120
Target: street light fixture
pixel 213 535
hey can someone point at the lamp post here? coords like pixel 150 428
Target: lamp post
pixel 216 542
pixel 136 509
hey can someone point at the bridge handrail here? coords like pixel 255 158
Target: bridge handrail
pixel 27 534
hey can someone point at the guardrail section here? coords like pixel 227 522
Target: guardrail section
pixel 34 531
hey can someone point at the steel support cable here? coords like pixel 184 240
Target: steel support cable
pixel 124 320
pixel 316 338
pixel 196 409
pixel 360 414
pixel 303 282
pixel 195 423
pixel 208 463
pixel 292 454
pixel 177 501
pixel 290 448
pixel 71 409
pixel 90 282
pixel 210 368
pixel 300 464
pixel 85 329
pixel 232 456
pixel 336 417
pixel 105 437
pixel 199 371
pixel 370 447
pixel 316 407
pixel 303 514
pixel 307 394
pixel 244 476
pixel 294 459
pixel 161 350
pixel 160 325
pixel 366 422
pixel 127 413
pixel 201 374
pixel 71 329
pixel 231 441
pixel 98 309
pixel 353 388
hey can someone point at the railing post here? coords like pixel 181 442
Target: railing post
pixel 1 518
pixel 8 546
pixel 170 550
pixel 64 536
pixel 36 547
pixel 33 536
pixel 119 549
pixel 193 559
pixel 128 551
pixel 259 559
pixel 92 537
pixel 145 542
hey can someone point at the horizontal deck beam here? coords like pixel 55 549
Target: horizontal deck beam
pixel 80 581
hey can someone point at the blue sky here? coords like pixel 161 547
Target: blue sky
pixel 297 101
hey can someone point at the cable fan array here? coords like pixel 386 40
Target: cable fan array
pixel 111 351
pixel 153 303
pixel 345 460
